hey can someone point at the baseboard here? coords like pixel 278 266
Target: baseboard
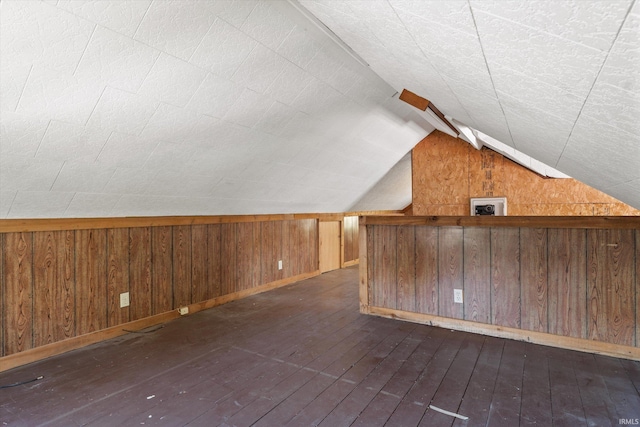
pixel 53 349
pixel 569 343
pixel 350 263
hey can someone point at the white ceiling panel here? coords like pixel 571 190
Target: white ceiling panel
pixel 260 69
pixel 267 24
pixel 627 192
pixel 127 107
pixel 25 174
pixel 453 13
pixel 116 60
pixel 300 46
pixel 614 106
pixel 527 92
pixel 20 134
pixel 600 155
pixel 535 132
pixel 289 83
pixel 82 177
pixel 121 111
pixel 123 17
pixel 14 77
pixel 622 67
pixel 59 96
pixel 591 23
pixel 40 204
pixel 63 141
pixel 554 60
pixel 176 26
pixel 248 108
pixel 172 80
pixel 223 49
pixel 129 181
pixel 126 151
pixel 36 33
pixel 91 205
pixel 6 200
pixel 214 96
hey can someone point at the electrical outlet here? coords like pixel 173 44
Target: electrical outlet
pixel 183 310
pixel 279 264
pixel 124 299
pixel 457 296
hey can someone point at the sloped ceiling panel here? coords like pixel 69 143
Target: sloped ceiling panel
pixel 140 107
pixel 393 189
pixel 116 108
pixel 558 81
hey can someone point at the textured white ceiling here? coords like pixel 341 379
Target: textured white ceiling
pixel 113 107
pixel 557 80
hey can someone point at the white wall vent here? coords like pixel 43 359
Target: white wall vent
pixel 489 206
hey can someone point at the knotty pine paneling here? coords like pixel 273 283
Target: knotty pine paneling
pixel 140 273
pixel 406 277
pixel 272 251
pixel 60 284
pixel 372 262
pixel 611 286
pixel 289 245
pixel 312 237
pixel 450 271
pixel 477 274
pixel 350 238
pixel 117 274
pixel 567 286
pixel 17 277
pixel 572 282
pixel 200 263
pixel 426 247
pixel 54 286
pixel 228 258
pixel 162 269
pixel 388 266
pixel 505 276
pixel 533 276
pixel 182 265
pixel 215 260
pixel 245 256
pixel 91 277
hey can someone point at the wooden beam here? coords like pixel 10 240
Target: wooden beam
pixel 415 100
pixel 423 104
pixel 58 224
pixel 604 222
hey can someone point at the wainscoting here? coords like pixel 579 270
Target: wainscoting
pixel 62 285
pixel 567 283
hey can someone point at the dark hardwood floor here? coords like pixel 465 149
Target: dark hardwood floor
pixel 302 355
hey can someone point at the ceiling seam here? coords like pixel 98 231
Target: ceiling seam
pixel 486 63
pixel 84 51
pixel 24 87
pixel 595 80
pixel 455 95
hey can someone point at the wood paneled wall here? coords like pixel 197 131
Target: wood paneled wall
pixel 62 284
pixel 350 236
pixel 447 172
pixel 573 282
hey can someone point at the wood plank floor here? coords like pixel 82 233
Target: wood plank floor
pixel 302 355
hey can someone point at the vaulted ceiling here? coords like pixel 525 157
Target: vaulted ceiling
pixel 114 107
